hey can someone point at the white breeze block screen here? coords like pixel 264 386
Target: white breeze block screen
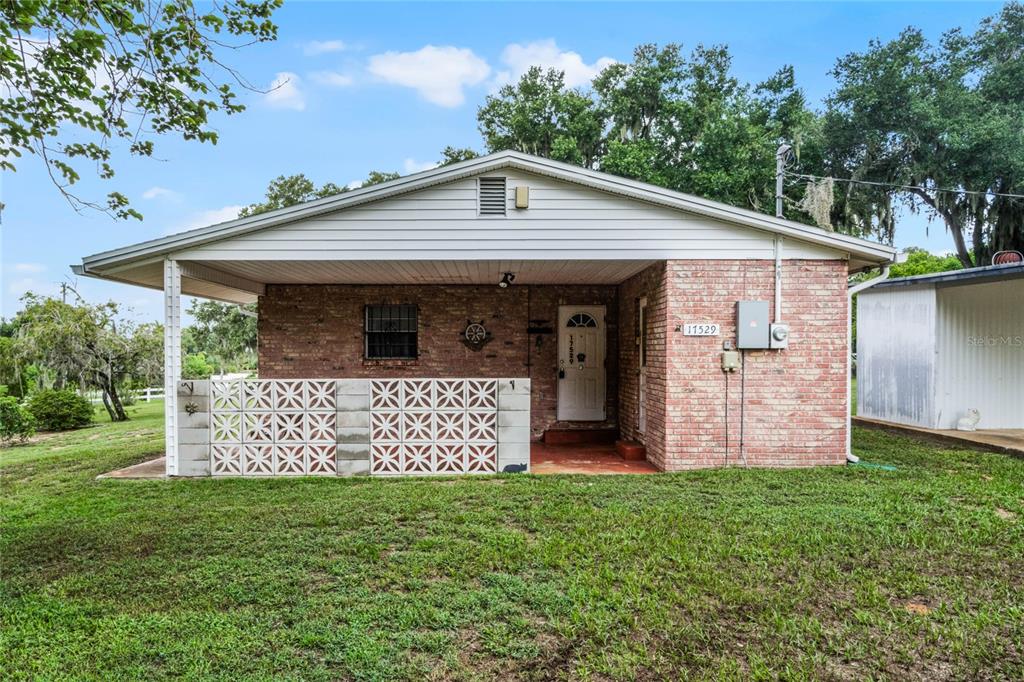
pixel 273 427
pixel 433 426
pixel 292 427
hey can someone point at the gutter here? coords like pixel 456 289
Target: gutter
pixel 850 293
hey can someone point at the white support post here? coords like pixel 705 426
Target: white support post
pixel 172 361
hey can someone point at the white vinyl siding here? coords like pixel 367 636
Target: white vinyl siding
pixel 564 221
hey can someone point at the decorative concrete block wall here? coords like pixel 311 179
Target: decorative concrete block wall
pixel 193 428
pixel 513 425
pixel 348 427
pixel 353 400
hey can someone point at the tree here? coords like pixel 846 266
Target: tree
pixel 450 155
pixel 538 115
pixel 223 334
pixel 90 346
pixel 79 76
pixel 684 122
pixel 674 120
pixel 377 177
pixel 921 119
pixel 921 262
pixel 290 190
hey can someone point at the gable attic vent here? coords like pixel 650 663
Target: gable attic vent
pixel 492 196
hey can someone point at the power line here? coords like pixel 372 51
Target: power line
pixel 805 176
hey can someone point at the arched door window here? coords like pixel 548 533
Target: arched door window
pixel 581 320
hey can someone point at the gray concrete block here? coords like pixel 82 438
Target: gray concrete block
pixel 514 386
pixel 513 454
pixel 193 467
pixel 352 387
pixel 350 419
pixel 353 434
pixel 193 451
pixel 187 436
pixel 513 434
pixel 191 388
pixel 201 402
pixel 353 467
pixel 508 418
pixel 353 451
pixel 199 420
pixel 353 403
pixel 514 401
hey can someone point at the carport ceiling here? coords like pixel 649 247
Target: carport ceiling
pixel 430 272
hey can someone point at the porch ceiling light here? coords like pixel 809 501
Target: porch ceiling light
pixel 506 280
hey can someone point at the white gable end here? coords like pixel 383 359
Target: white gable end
pixel 564 221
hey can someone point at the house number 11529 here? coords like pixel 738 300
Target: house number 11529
pixel 700 329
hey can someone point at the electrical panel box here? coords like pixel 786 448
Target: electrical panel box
pixel 752 324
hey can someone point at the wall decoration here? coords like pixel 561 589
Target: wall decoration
pixel 476 335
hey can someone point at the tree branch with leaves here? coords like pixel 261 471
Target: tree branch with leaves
pixel 77 78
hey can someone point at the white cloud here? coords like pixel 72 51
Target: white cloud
pixel 29 268
pixel 414 166
pixel 355 184
pixel 546 54
pixel 438 74
pixel 331 79
pixel 157 192
pixel 284 92
pixel 315 47
pixel 209 217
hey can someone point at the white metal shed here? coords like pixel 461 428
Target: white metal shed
pixel 932 347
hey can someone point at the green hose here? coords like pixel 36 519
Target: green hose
pixel 883 467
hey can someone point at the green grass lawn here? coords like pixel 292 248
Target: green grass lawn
pixel 837 573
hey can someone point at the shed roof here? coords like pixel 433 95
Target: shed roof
pixel 977 275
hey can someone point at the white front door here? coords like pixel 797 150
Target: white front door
pixel 581 371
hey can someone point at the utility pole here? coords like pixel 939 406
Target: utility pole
pixel 781 155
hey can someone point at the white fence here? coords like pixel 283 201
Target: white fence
pixel 146 395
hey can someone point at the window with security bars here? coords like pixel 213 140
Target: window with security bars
pixel 390 332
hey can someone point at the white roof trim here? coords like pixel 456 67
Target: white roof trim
pixel 158 248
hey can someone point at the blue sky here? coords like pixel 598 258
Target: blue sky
pixel 386 86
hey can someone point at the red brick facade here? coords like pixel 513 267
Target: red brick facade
pixel 317 331
pixel 786 408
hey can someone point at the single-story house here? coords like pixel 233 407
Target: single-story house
pixel 443 321
pixel 931 348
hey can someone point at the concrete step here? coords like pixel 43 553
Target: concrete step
pixel 631 450
pixel 573 436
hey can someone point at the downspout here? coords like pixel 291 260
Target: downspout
pixel 850 293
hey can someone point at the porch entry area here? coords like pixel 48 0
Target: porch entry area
pixel 433 378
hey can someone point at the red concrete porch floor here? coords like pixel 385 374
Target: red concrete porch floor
pixel 585 458
pixel 594 458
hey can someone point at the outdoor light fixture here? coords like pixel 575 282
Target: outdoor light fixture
pixel 506 280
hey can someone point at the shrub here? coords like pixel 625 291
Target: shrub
pixel 196 366
pixel 59 410
pixel 15 421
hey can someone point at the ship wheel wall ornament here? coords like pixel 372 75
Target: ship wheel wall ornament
pixel 476 335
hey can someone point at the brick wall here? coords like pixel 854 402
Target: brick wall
pixel 317 332
pixel 652 285
pixel 790 407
